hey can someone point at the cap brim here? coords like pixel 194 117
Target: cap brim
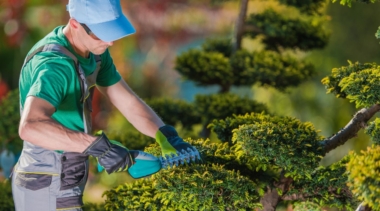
pixel 112 30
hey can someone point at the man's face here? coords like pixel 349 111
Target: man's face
pixel 92 42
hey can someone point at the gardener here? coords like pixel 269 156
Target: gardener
pixel 56 84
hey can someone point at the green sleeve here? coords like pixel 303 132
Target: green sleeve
pixel 51 82
pixel 108 75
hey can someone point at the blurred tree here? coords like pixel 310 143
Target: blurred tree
pixel 9 121
pixel 6 200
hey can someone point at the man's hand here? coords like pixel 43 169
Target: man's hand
pixel 111 155
pixel 114 157
pixel 171 144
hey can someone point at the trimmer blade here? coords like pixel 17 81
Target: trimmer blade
pixel 182 157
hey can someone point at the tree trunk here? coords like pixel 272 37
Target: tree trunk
pixel 239 28
pixel 271 198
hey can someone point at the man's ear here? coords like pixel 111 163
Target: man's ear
pixel 73 23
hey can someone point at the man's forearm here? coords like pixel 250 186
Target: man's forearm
pixel 49 134
pixel 142 117
pixel 139 114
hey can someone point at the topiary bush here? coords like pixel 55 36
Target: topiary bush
pixel 273 141
pixel 282 31
pixel 270 160
pixel 277 157
pixel 289 145
pixel 207 186
pixel 199 187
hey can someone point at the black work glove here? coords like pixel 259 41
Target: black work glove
pixel 111 155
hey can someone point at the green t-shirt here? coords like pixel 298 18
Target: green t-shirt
pixel 52 77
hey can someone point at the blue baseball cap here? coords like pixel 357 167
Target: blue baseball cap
pixel 104 18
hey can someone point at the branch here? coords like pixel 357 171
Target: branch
pixel 271 197
pixel 358 122
pixel 239 30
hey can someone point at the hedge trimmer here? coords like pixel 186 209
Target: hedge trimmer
pixel 147 164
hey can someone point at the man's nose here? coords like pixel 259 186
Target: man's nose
pixel 109 43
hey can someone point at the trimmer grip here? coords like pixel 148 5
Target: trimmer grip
pixel 145 165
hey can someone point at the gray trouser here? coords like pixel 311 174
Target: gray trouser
pixel 35 191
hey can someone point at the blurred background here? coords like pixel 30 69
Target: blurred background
pixel 167 28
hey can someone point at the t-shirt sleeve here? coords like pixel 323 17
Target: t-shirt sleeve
pixel 108 75
pixel 50 82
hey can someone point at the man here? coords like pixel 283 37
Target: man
pixel 55 100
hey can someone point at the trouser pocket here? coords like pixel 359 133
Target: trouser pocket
pixel 74 169
pixel 32 181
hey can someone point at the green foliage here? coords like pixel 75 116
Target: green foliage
pixel 373 130
pixel 93 207
pixel 221 45
pixel 220 163
pixel 332 82
pixel 6 199
pixel 363 178
pixel 289 145
pixel 269 68
pixel 327 186
pixel 196 187
pixel 280 31
pixel 205 68
pixel 273 141
pixel 363 87
pixel 173 111
pixel 349 2
pixel 307 6
pixel 309 206
pixel 357 82
pixel 220 106
pixel 9 121
pixel 214 64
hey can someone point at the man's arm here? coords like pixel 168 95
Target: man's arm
pixel 138 113
pixel 37 127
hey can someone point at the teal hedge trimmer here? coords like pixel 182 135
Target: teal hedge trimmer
pixel 147 164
